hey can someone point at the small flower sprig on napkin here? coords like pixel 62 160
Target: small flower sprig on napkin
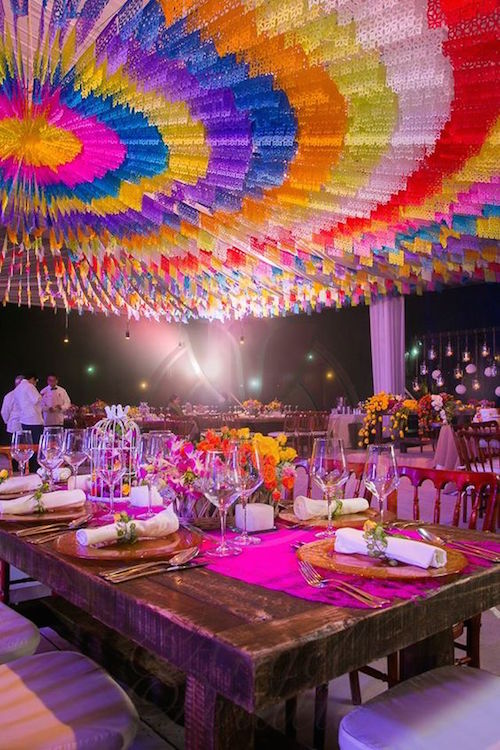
pixel 4 474
pixel 126 528
pixel 37 497
pixel 376 542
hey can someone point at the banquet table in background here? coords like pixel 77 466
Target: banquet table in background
pixel 339 426
pixel 243 646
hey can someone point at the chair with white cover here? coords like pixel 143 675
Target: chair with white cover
pixel 448 707
pixel 62 699
pixel 18 635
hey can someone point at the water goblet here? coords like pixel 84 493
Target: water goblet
pixel 381 473
pixel 151 449
pixel 74 450
pixel 110 468
pixel 50 451
pixel 220 482
pixel 329 469
pixel 251 479
pixel 21 448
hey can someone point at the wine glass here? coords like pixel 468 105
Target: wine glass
pixel 220 482
pixel 74 450
pixel 151 448
pixel 50 451
pixel 251 479
pixel 329 469
pixel 381 473
pixel 110 468
pixel 21 448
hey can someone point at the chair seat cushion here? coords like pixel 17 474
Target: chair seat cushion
pixel 61 700
pixel 449 707
pixel 18 636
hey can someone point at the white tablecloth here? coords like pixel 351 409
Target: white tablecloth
pixel 446 454
pixel 338 426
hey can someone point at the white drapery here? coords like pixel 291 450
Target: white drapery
pixel 387 334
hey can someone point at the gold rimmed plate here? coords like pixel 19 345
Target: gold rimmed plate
pixel 60 514
pixel 353 520
pixel 321 554
pixel 143 549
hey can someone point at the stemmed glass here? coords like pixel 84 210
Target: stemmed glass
pixel 21 448
pixel 251 479
pixel 151 448
pixel 110 468
pixel 329 469
pixel 50 451
pixel 74 450
pixel 381 473
pixel 220 482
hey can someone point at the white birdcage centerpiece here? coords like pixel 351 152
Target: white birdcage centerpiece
pixel 119 434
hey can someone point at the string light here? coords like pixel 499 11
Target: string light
pixel 449 349
pixel 476 385
pixel 458 373
pixel 432 353
pixel 416 385
pixel 66 331
pixel 127 332
pixel 424 369
pixel 242 340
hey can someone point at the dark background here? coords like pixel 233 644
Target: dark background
pixel 304 360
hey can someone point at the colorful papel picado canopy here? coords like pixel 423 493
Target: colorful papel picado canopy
pixel 224 158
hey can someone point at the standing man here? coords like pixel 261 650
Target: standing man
pixel 29 406
pixel 55 403
pixel 10 414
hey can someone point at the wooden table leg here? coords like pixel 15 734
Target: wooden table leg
pixel 4 581
pixel 214 723
pixel 432 652
pixel 320 713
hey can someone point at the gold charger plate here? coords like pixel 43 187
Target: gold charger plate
pixel 70 514
pixel 322 555
pixel 353 520
pixel 144 549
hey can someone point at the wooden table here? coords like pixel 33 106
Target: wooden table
pixel 243 647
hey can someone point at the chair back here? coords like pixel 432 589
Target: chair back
pixel 479 450
pixel 480 487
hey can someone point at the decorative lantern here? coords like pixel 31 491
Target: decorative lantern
pixel 115 432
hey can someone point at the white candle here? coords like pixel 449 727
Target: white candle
pixel 260 516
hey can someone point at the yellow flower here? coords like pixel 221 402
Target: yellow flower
pixel 369 526
pixel 125 490
pixel 244 433
pixel 4 474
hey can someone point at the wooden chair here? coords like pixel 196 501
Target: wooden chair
pixel 479 449
pixel 6 457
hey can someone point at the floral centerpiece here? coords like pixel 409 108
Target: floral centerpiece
pixel 272 406
pixel 278 470
pixel 252 406
pixel 375 408
pixel 435 409
pixel 402 410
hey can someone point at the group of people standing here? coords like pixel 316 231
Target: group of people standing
pixel 27 408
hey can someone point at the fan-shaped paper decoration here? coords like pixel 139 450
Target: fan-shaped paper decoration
pixel 224 158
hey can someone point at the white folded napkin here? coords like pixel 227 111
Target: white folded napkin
pixel 305 507
pixel 139 496
pixel 350 542
pixel 20 484
pixel 82 482
pixel 163 524
pixel 259 516
pixel 61 474
pixel 50 500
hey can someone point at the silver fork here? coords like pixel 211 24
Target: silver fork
pixel 313 578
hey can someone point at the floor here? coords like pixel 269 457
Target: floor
pixel 159 733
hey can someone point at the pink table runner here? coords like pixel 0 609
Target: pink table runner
pixel 272 564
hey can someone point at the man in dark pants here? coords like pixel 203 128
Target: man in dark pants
pixel 29 406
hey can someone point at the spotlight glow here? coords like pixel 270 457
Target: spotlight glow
pixel 330 375
pixel 90 369
pixel 143 385
pixel 254 383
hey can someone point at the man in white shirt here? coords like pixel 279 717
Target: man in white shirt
pixel 55 403
pixel 10 413
pixel 29 405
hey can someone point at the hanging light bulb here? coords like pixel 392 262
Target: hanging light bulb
pixel 432 354
pixel 127 333
pixel 466 355
pixel 416 385
pixel 458 373
pixel 66 339
pixel 485 350
pixel 242 340
pixel 449 349
pixel 66 331
pixel 440 381
pixel 476 385
pixel 424 369
pixel 493 370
